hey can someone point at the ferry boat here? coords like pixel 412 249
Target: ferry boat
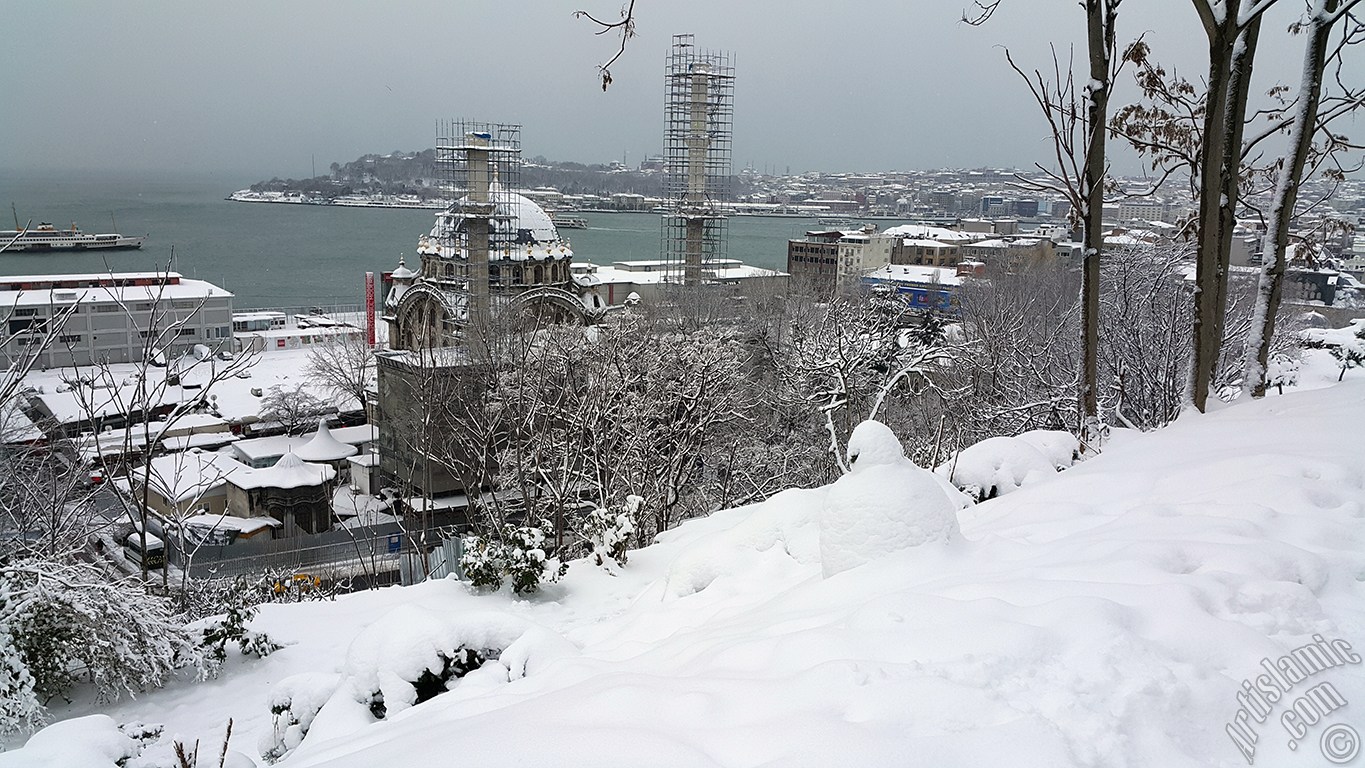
pixel 45 237
pixel 566 221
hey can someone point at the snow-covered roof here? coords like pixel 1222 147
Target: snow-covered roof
pixel 365 460
pixel 258 448
pixel 914 273
pixel 185 476
pixel 324 447
pixel 101 288
pixel 289 472
pixel 15 425
pixel 922 243
pixel 650 272
pixel 226 522
pixel 929 232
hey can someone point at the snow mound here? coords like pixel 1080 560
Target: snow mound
pixel 1059 446
pixel 94 741
pixel 787 519
pixel 295 701
pixel 997 466
pixel 884 504
pixel 391 655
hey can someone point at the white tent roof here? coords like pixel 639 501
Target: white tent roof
pixel 289 472
pixel 324 447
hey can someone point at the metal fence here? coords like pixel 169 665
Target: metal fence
pixel 346 553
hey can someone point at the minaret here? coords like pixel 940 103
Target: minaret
pixel 697 129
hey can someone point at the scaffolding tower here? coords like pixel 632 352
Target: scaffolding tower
pixel 699 89
pixel 480 169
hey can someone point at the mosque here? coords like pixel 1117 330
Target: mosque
pixel 493 256
pixel 528 272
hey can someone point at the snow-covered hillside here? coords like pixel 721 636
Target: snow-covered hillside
pixel 1103 616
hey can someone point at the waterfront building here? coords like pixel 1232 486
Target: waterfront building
pixel 118 317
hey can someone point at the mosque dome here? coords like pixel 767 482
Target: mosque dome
pixel 516 218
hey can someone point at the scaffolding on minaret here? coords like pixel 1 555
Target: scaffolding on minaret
pixel 698 116
pixel 480 167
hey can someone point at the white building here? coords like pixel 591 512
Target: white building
pixel 119 317
pixel 601 286
pixel 863 252
pixel 1142 210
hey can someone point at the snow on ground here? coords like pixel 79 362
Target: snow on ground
pixel 1105 617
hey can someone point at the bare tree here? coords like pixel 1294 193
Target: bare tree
pixel 1233 30
pixel 295 408
pixel 343 365
pixel 1308 121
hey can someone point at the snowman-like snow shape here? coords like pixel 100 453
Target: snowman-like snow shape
pixel 885 503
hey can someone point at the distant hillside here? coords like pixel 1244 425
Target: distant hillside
pixel 415 173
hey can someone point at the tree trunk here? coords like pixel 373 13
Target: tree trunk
pixel 1276 241
pixel 1239 86
pixel 1231 54
pixel 1100 19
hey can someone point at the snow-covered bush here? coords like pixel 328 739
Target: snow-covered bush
pixel 609 531
pixel 68 623
pixel 294 702
pixel 1059 446
pixel 884 504
pixel 482 562
pixel 19 706
pixel 1282 371
pixel 231 627
pixel 1350 353
pixel 518 557
pixel 995 466
pixel 527 564
pixel 408 656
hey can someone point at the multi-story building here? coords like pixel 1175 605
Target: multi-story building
pixel 1010 254
pixel 930 253
pixel 1142 210
pixel 813 262
pixel 862 252
pixel 117 317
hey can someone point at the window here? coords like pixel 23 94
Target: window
pixel 185 304
pixel 185 332
pixel 33 325
pixel 69 339
pixel 108 307
pixel 26 312
pixel 143 306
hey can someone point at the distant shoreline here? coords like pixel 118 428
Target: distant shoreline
pixel 390 201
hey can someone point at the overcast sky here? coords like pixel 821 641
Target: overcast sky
pixel 259 87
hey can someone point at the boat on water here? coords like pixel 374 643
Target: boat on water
pixel 567 221
pixel 46 237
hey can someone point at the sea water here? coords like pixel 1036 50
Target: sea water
pixel 276 255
